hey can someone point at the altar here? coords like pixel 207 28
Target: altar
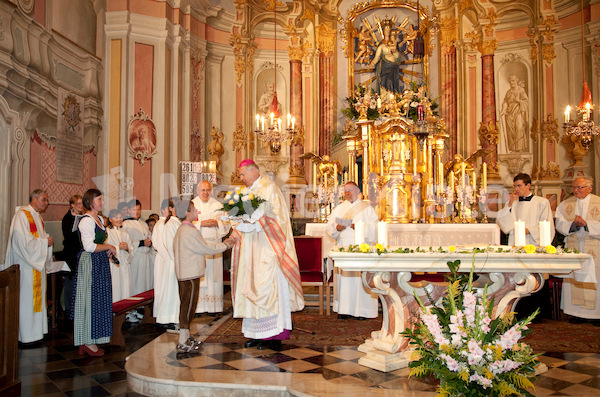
pixel 509 276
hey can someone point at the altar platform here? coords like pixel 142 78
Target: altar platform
pixel 229 369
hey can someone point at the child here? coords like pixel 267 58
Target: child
pixel 121 275
pixel 189 248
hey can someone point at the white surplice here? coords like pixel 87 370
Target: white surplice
pixel 210 296
pixel 264 297
pixel 166 289
pixel 530 212
pixel 353 298
pixel 32 255
pixel 581 299
pixel 121 273
pixel 142 264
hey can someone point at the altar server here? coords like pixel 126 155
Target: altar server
pixel 30 247
pixel 166 292
pixel 120 273
pixel 353 298
pixel 524 206
pixel 210 299
pixel 578 218
pixel 142 264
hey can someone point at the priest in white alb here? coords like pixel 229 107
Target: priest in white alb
pixel 142 264
pixel 578 218
pixel 353 298
pixel 524 206
pixel 210 297
pixel 30 247
pixel 265 276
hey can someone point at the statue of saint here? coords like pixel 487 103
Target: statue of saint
pixel 215 147
pixel 265 103
pixel 387 61
pixel 515 110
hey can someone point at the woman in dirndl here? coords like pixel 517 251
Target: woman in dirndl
pixel 92 312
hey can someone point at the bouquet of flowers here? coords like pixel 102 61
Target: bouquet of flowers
pixel 417 96
pixel 240 203
pixel 469 352
pixel 359 97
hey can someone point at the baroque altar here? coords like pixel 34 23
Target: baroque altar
pixel 510 276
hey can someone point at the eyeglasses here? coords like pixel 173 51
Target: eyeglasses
pixel 580 187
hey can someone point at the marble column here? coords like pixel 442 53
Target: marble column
pixel 448 109
pixel 488 131
pixel 325 45
pixel 297 144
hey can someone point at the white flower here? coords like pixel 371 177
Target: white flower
pixel 236 197
pixel 245 198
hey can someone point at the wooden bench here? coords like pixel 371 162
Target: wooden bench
pixel 122 307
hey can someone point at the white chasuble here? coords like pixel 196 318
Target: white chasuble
pixel 210 296
pixel 142 264
pixel 28 248
pixel 581 299
pixel 265 275
pixel 530 212
pixel 353 297
pixel 121 273
pixel 166 289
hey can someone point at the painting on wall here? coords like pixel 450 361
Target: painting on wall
pixel 141 137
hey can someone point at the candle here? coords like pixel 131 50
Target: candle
pixel 293 122
pixel 567 114
pixel 359 232
pixel 381 166
pixel 414 160
pixel 441 174
pixel 545 233
pixel 429 164
pixel 520 239
pixel 587 111
pixel 462 176
pixel 289 120
pixel 378 103
pixel 257 121
pixel 272 117
pixel 382 233
pixel 326 180
pixel 335 174
pixel 474 180
pixel 484 176
pixel 314 178
pixel 262 120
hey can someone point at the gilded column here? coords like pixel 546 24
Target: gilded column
pixel 325 45
pixel 296 52
pixel 448 73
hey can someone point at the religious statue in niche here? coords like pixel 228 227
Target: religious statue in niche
pixel 215 147
pixel 268 102
pixel 515 116
pixel 141 137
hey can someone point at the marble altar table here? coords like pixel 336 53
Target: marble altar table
pixel 509 277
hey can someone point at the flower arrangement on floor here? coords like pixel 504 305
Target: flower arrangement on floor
pixel 240 203
pixel 469 352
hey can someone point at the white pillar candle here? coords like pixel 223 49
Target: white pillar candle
pixel 451 180
pixel 359 232
pixel 382 233
pixel 520 239
pixel 314 178
pixel 335 175
pixel 462 176
pixel 484 176
pixel 545 233
pixel 474 180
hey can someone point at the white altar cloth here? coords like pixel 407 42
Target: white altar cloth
pixel 510 276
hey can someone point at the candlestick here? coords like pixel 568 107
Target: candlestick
pixel 545 233
pixel 520 238
pixel 359 232
pixel 382 233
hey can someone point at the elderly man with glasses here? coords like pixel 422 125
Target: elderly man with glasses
pixel 578 218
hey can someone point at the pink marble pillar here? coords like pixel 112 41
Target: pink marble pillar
pixel 448 109
pixel 488 134
pixel 297 144
pixel 326 100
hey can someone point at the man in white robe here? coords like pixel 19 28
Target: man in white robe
pixel 578 218
pixel 353 298
pixel 524 206
pixel 210 297
pixel 142 264
pixel 266 285
pixel 30 247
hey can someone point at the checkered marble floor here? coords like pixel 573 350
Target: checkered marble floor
pixel 315 371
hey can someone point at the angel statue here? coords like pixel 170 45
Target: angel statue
pixel 458 161
pixel 325 166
